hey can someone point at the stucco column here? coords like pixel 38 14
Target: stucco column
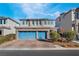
pixel 48 34
pixel 37 35
pixel 17 34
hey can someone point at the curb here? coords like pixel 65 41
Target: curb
pixel 39 48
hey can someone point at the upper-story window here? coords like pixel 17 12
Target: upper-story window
pixel 77 15
pixel 37 23
pixel 48 22
pixel 40 22
pixel 4 21
pixel 45 22
pixel 23 22
pixel 59 19
pixel 33 23
pixel 0 21
pixel 26 22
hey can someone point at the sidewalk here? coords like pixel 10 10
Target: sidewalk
pixel 76 41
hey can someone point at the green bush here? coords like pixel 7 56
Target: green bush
pixel 54 35
pixel 2 39
pixel 69 35
pixel 7 38
pixel 10 37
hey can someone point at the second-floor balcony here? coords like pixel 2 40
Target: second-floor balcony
pixel 35 23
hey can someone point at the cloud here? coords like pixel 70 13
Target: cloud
pixel 39 10
pixel 56 14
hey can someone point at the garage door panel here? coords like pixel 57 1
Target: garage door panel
pixel 31 35
pixel 22 35
pixel 42 35
pixel 25 35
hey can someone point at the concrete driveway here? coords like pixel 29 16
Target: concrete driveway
pixel 28 44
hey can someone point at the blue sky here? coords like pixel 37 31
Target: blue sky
pixel 35 10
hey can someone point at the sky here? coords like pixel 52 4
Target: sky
pixel 35 10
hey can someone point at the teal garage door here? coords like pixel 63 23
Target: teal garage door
pixel 27 35
pixel 42 35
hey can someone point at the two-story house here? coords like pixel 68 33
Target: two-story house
pixel 68 21
pixel 7 26
pixel 32 29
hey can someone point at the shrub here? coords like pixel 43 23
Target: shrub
pixel 54 35
pixel 2 39
pixel 10 37
pixel 7 38
pixel 69 35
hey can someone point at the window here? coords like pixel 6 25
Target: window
pixel 77 15
pixel 45 22
pixel 73 26
pixel 40 22
pixel 59 20
pixel 0 21
pixel 49 22
pixel 33 22
pixel 23 22
pixel 4 21
pixel 36 22
pixel 29 23
pixel 52 22
pixel 26 22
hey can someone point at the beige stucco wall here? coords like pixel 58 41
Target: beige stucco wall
pixel 4 31
pixel 76 25
pixel 11 24
pixel 67 21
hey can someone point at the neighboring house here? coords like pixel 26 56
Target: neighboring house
pixel 68 21
pixel 7 26
pixel 32 29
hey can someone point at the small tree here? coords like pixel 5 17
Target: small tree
pixel 70 35
pixel 54 35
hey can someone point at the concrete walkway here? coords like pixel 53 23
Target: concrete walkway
pixel 76 41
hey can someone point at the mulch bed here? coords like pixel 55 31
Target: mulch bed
pixel 65 44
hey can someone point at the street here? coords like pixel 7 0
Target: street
pixel 39 52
